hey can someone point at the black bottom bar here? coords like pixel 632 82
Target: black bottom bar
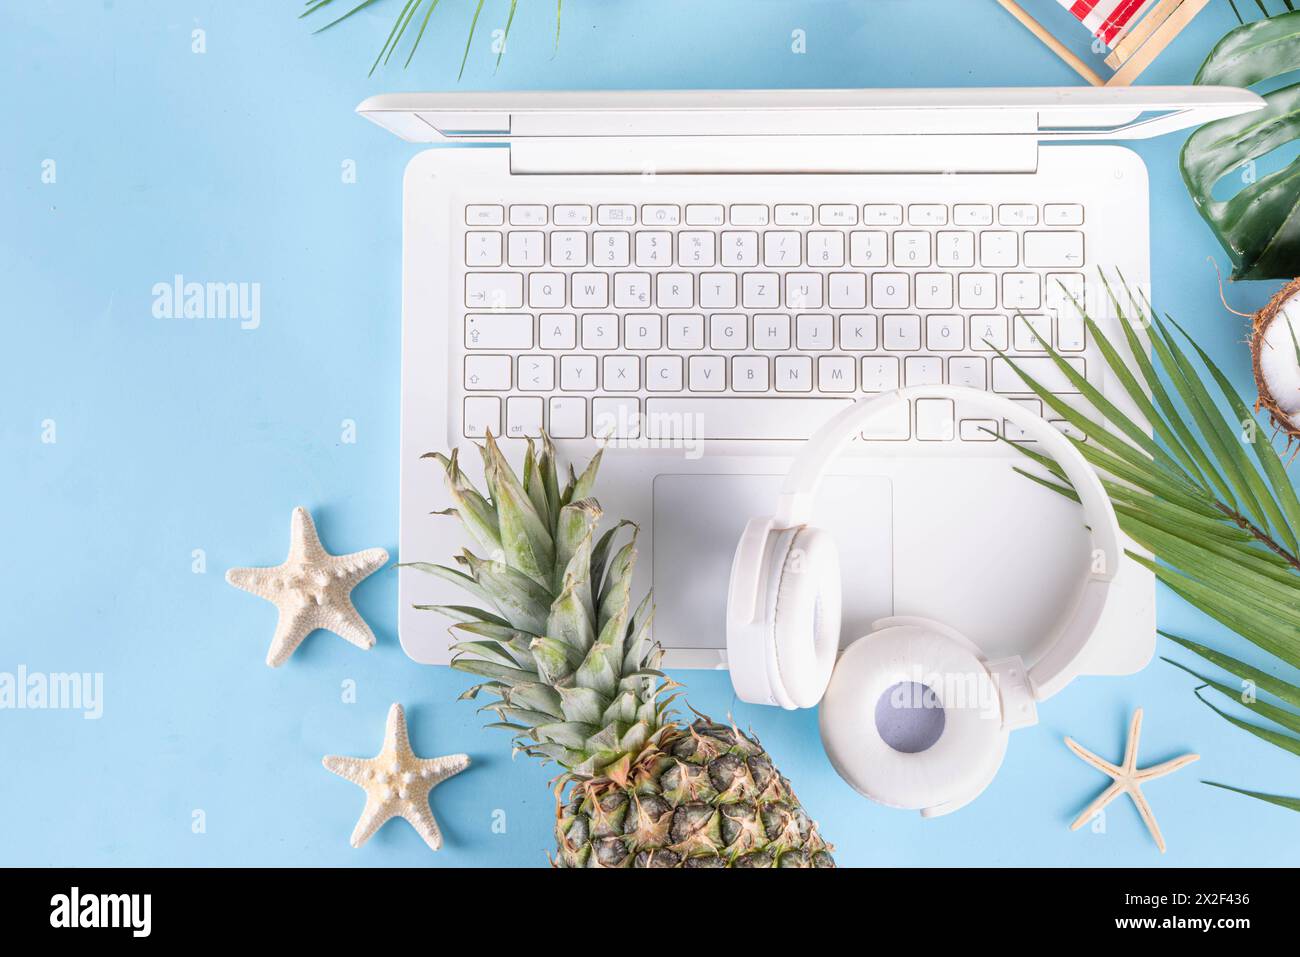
pixel 336 906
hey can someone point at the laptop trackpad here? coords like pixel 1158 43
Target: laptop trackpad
pixel 698 520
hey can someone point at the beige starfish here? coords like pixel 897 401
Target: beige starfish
pixel 397 783
pixel 312 589
pixel 1128 779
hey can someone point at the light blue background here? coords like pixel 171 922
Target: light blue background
pixel 181 435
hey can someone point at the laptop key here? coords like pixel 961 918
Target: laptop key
pixel 968 371
pixel 534 215
pixel 922 370
pixel 1018 214
pixel 526 248
pixel 1062 214
pixel 494 290
pixel 858 332
pixel 882 215
pixel 616 418
pixel 837 215
pixel 794 374
pixel 1044 250
pixel 685 331
pixel 568 248
pixel 988 332
pixel 902 333
pixel 487 373
pixel 879 373
pixel 578 373
pixel 934 420
pixel 739 418
pixel 794 215
pixel 1042 370
pixel 616 215
pixel 749 374
pixel 482 415
pixel 523 416
pixel 1014 432
pixel 484 215
pixel 621 373
pixel 572 215
pixel 803 290
pixel 704 215
pixel 663 374
pixel 972 214
pixel 482 248
pixel 660 215
pixel 499 330
pixel 558 330
pixel 568 417
pixel 868 248
pixel 979 430
pixel 837 374
pixel 749 214
pixel 927 214
pixel 1032 330
pixel 707 373
pixel 999 249
pixel 537 373
pixel 772 332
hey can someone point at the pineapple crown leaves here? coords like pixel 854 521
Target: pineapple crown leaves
pixel 570 663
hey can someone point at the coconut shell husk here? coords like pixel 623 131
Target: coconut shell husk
pixel 1263 319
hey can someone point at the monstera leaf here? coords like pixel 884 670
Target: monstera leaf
pixel 1259 226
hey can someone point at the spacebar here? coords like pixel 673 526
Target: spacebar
pixel 739 418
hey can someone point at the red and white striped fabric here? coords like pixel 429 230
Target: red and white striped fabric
pixel 1107 19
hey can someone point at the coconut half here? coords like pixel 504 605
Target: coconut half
pixel 1275 348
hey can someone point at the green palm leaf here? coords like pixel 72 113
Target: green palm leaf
pixel 1272 712
pixel 1263 680
pixel 1246 575
pixel 407 13
pixel 1222 524
pixel 1278 799
pixel 1284 741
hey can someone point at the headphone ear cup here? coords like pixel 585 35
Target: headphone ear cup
pixel 805 615
pixel 895 668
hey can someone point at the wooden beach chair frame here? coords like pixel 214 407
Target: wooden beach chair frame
pixel 1134 52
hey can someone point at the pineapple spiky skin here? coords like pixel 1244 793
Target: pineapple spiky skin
pixel 572 672
pixel 709 796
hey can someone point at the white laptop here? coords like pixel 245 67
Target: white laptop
pixel 697 280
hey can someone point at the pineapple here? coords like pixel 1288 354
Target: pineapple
pixel 571 671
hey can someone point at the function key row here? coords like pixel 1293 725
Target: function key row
pixel 782 214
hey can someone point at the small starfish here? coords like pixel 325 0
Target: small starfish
pixel 396 782
pixel 1128 779
pixel 312 589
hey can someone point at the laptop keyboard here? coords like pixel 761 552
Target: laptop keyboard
pixel 759 322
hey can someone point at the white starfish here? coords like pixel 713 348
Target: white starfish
pixel 1128 779
pixel 397 783
pixel 312 590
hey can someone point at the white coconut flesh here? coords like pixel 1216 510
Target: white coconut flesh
pixel 1279 366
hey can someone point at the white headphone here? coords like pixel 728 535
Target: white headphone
pixel 783 632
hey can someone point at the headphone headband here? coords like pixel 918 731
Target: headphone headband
pixel 803 482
